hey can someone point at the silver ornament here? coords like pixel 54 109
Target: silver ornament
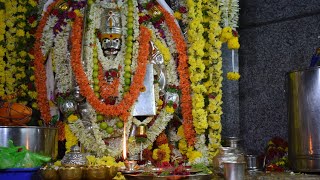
pixel 68 106
pixel 77 95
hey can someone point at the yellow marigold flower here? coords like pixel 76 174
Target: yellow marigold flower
pixel 131 139
pixel 21 24
pixel 233 43
pixel 214 117
pixel 9 23
pixel 234 76
pixel 183 147
pixel 21 17
pixel 34 105
pixel 170 109
pixel 23 53
pixel 180 132
pixel 21 9
pixel 72 118
pixel 2 51
pixel 57 163
pixel 20 32
pixel 78 13
pixel 71 139
pixel 32 78
pixel 10 46
pixel 166 149
pixel 22 1
pixel 28 35
pixel 32 3
pixel 193 155
pixel 155 154
pixel 91 160
pixel 119 176
pixel 226 34
pixel 32 94
pixel 160 102
pixel 34 24
pixel 31 56
pixel 177 15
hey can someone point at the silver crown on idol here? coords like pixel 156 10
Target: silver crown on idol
pixel 111 32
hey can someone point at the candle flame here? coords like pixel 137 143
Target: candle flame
pixel 124 152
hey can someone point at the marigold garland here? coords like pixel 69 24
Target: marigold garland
pixel 122 108
pixel 197 67
pixel 40 70
pixel 2 52
pixel 214 74
pixel 186 102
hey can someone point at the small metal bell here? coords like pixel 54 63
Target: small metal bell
pixel 142 130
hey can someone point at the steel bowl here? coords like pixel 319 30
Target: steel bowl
pixel 42 140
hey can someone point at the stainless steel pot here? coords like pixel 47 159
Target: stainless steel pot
pixel 41 140
pixel 303 98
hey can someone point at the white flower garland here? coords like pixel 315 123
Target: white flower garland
pixel 153 132
pixel 61 60
pixel 47 35
pixel 229 13
pixel 171 68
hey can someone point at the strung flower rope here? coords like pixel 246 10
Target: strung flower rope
pixel 2 52
pixel 122 108
pixel 230 13
pixel 107 89
pixel 40 70
pixel 196 54
pixel 214 82
pixel 186 102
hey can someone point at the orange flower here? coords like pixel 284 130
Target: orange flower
pixel 107 90
pixel 161 139
pixel 61 132
pixel 186 102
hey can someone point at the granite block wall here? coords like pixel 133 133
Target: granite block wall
pixel 276 37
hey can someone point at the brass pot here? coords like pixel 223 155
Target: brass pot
pixel 70 173
pixel 100 172
pixel 49 174
pixel 111 172
pixel 96 172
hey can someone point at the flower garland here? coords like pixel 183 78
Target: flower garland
pixel 186 102
pixel 214 77
pixel 17 23
pixel 122 108
pixel 144 122
pixel 171 73
pixel 40 70
pixel 61 61
pixel 161 122
pixel 230 16
pixel 71 139
pixel 11 56
pixel 196 52
pixel 2 51
pixel 229 13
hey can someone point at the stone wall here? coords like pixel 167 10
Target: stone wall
pixel 276 37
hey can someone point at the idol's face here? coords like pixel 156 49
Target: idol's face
pixel 111 46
